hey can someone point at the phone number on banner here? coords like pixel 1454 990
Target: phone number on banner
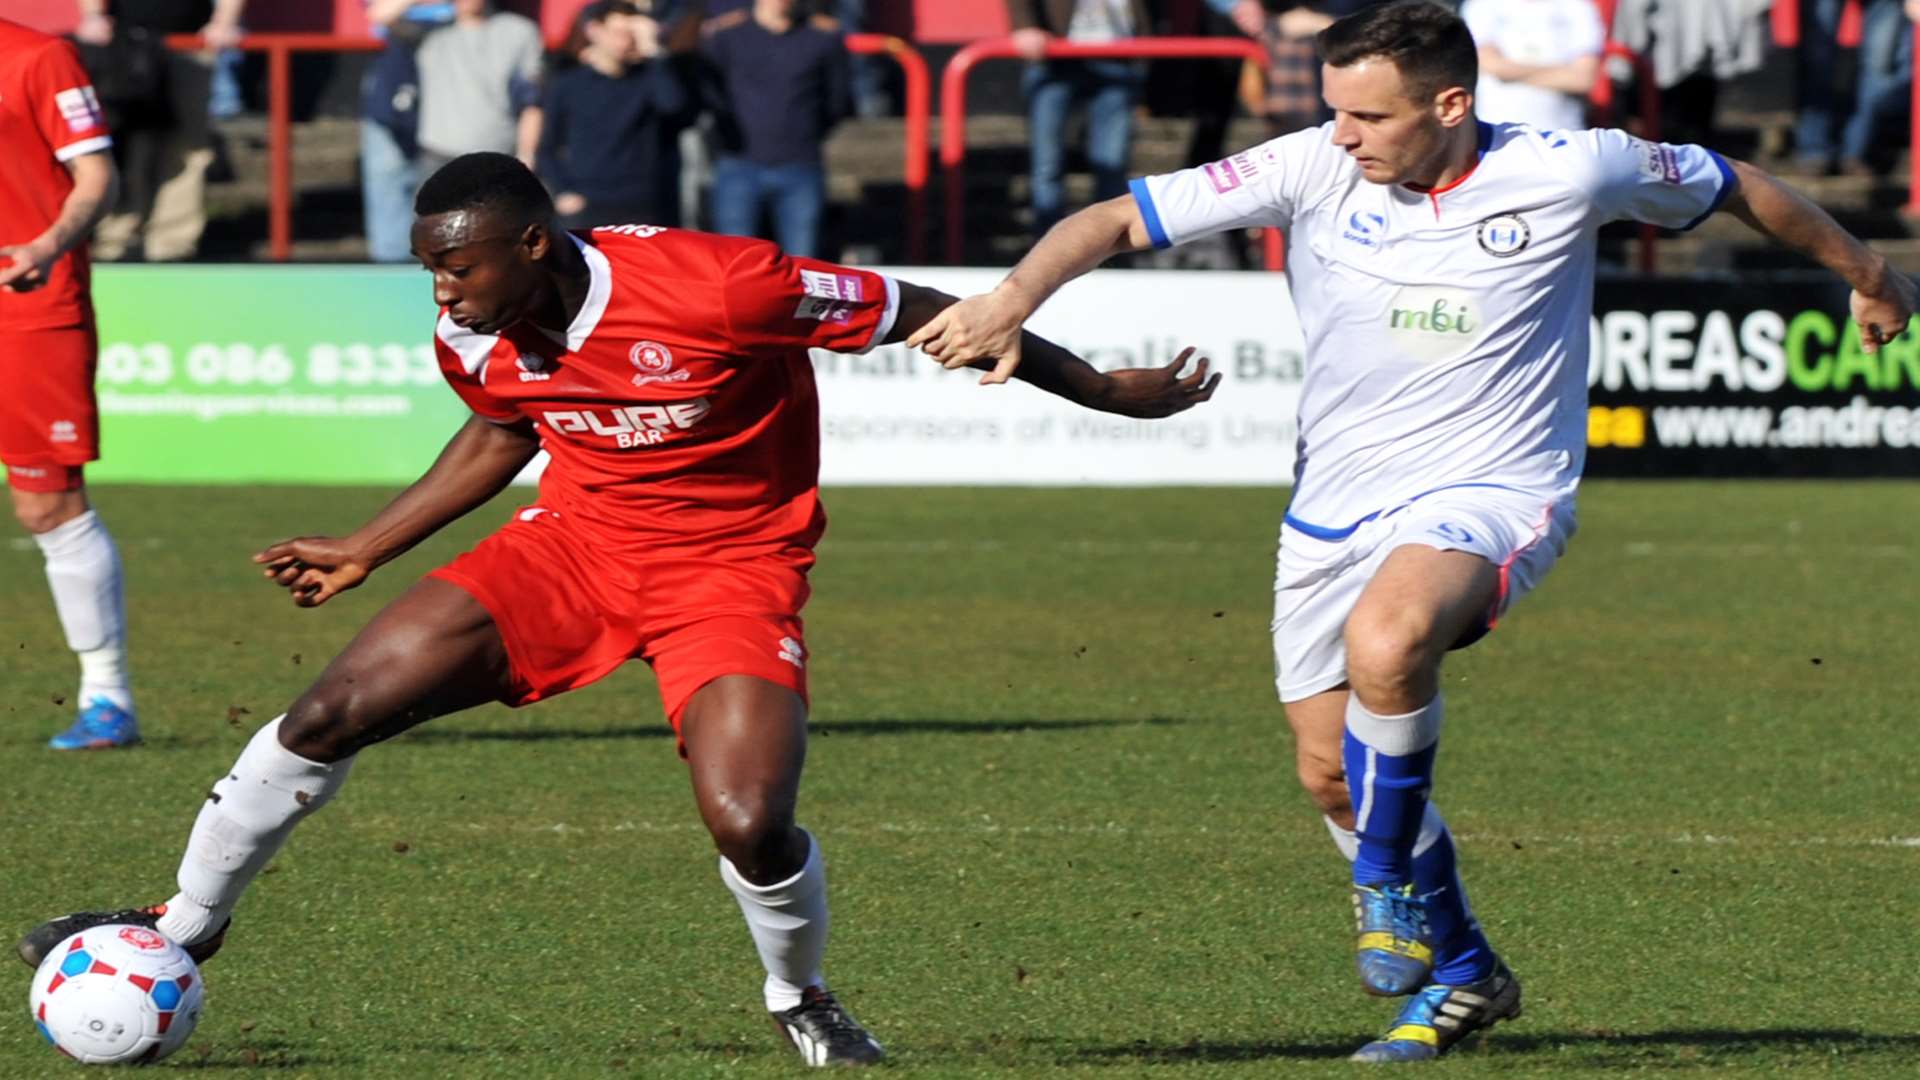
pixel 243 365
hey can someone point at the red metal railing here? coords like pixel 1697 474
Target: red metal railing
pixel 281 47
pixel 953 105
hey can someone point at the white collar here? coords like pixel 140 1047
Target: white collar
pixel 599 291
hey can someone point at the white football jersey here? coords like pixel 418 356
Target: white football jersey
pixel 1446 330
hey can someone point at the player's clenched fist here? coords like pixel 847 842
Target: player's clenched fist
pixel 984 327
pixel 314 569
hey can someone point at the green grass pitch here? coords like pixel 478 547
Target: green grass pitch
pixel 1056 799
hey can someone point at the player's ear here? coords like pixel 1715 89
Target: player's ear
pixel 1453 106
pixel 537 240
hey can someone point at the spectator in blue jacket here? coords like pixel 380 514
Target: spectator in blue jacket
pixel 609 141
pixel 784 84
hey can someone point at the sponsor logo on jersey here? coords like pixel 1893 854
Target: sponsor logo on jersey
pixel 793 652
pixel 1229 173
pixel 830 297
pixel 532 367
pixel 641 231
pixel 1658 161
pixel 63 431
pixel 629 425
pixel 1447 530
pixel 1505 235
pixel 1431 322
pixel 79 108
pixel 1365 229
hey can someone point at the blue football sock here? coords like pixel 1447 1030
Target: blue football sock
pixel 1461 954
pixel 1389 764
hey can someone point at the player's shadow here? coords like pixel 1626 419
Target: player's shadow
pixel 832 728
pixel 1641 1049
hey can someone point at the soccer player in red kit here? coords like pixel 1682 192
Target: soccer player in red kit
pixel 666 373
pixel 56 180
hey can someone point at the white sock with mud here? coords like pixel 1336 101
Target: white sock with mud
pixel 788 920
pixel 247 817
pixel 83 571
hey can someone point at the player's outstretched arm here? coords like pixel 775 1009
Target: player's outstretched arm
pixel 95 185
pixel 987 327
pixel 1883 298
pixel 1142 392
pixel 481 459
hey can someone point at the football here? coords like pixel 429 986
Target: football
pixel 116 995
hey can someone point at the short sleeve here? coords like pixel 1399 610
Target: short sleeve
pixel 1256 187
pixel 1675 187
pixel 64 106
pixel 463 359
pixel 778 302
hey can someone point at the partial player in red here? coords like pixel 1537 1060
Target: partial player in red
pixel 666 373
pixel 56 180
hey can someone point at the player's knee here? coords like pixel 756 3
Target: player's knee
pixel 754 833
pixel 1388 655
pixel 321 726
pixel 43 515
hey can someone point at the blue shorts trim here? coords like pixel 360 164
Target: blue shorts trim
pixel 1335 532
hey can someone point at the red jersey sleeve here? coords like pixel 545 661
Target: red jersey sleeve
pixel 463 357
pixel 64 106
pixel 777 302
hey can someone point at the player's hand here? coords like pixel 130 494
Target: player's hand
pixel 1154 392
pixel 221 34
pixel 26 266
pixel 1883 314
pixel 94 29
pixel 314 569
pixel 984 327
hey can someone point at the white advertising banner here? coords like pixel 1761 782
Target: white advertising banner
pixel 894 417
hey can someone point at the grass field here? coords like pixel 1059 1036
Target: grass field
pixel 1056 798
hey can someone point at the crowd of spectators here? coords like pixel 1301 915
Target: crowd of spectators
pixel 715 112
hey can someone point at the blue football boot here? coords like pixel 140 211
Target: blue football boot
pixel 1439 1016
pixel 101 725
pixel 1394 954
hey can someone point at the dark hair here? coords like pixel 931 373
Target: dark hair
pixel 497 182
pixel 1428 43
pixel 597 12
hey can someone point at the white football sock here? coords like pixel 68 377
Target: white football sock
pixel 83 570
pixel 247 817
pixel 788 921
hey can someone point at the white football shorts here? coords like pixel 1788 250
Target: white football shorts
pixel 1322 572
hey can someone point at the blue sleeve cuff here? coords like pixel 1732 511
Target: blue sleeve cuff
pixel 1149 213
pixel 1729 183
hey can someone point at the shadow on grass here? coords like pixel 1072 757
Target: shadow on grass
pixel 1681 1047
pixel 820 730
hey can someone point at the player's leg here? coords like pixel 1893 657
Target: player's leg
pixel 433 651
pixel 83 573
pixel 1050 92
pixel 48 430
pixel 746 742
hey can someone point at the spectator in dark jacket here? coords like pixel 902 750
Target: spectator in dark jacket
pixel 784 84
pixel 609 141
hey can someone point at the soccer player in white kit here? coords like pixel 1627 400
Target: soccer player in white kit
pixel 1443 273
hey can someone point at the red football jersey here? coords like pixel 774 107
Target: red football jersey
pixel 680 410
pixel 48 116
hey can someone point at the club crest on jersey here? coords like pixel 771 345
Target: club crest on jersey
pixel 654 361
pixel 1505 235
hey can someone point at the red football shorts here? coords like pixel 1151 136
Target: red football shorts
pixel 571 609
pixel 49 426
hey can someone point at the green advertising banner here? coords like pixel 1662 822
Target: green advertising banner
pixel 243 374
